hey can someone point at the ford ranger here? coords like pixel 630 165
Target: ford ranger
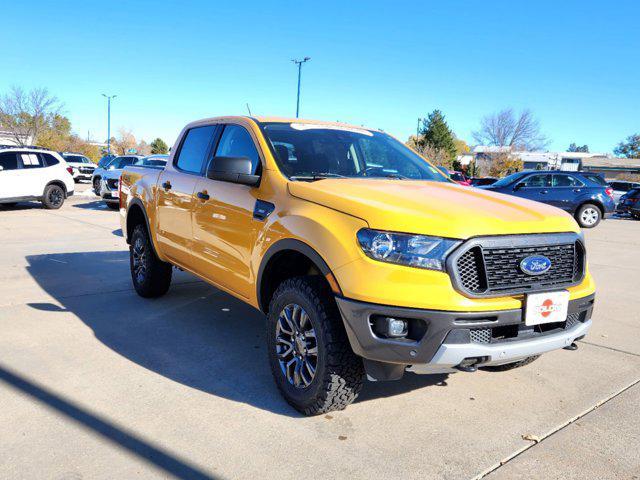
pixel 366 260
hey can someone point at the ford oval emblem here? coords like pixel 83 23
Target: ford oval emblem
pixel 535 265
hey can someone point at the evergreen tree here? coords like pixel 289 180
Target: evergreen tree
pixel 436 133
pixel 575 148
pixel 158 146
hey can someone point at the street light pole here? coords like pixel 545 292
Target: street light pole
pixel 109 121
pixel 299 63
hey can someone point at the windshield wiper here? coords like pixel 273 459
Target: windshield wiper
pixel 316 176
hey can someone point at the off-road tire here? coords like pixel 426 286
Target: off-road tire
pixel 113 206
pixel 510 366
pixel 588 207
pixel 157 277
pixel 339 373
pixel 53 197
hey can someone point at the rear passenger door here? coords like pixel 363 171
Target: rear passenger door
pixel 565 191
pixel 175 201
pixel 223 224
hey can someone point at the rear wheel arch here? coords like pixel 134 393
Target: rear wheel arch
pixel 287 258
pixel 58 183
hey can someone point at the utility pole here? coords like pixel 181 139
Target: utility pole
pixel 109 121
pixel 299 63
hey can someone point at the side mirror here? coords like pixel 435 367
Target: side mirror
pixel 234 170
pixel 518 186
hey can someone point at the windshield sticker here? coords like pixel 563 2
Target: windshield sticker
pixel 317 126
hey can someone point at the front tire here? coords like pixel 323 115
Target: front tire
pixel 96 186
pixel 311 359
pixel 113 206
pixel 511 366
pixel 588 215
pixel 151 276
pixel 53 197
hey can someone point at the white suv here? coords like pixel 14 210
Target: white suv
pixel 34 173
pixel 82 167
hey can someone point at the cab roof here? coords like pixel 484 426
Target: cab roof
pixel 271 119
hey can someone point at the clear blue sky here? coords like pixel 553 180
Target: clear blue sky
pixel 378 63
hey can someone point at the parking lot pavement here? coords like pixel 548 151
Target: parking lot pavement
pixel 96 382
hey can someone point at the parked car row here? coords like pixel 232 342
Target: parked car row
pixel 106 179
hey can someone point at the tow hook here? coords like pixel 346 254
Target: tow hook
pixel 572 347
pixel 468 365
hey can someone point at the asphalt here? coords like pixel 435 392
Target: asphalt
pixel 96 382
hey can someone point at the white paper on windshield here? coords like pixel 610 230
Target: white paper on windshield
pixel 319 126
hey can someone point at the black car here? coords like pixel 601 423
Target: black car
pixel 630 203
pixel 587 200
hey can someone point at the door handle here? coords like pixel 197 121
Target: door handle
pixel 577 190
pixel 544 192
pixel 167 185
pixel 203 195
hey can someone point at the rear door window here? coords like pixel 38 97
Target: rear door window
pixel 30 160
pixel 566 181
pixel 537 181
pixel 237 142
pixel 8 161
pixel 194 149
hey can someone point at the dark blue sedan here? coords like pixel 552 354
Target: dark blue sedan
pixel 586 197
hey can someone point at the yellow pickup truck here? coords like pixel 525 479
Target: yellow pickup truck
pixel 366 260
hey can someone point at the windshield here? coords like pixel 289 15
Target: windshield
pixel 121 162
pixel 76 159
pixel 309 152
pixel 159 161
pixel 508 180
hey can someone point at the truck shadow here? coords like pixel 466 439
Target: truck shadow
pixel 195 335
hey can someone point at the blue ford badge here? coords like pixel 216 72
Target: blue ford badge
pixel 535 265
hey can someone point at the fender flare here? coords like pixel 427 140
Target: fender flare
pixel 288 244
pixel 138 202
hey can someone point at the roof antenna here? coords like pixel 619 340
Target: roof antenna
pixel 249 108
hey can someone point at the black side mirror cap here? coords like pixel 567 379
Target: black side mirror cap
pixel 234 170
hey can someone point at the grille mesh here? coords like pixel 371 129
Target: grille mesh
pixel 496 270
pixel 480 335
pixel 112 183
pixel 573 319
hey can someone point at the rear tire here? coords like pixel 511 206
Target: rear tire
pixel 151 276
pixel 588 215
pixel 53 197
pixel 331 380
pixel 511 366
pixel 113 206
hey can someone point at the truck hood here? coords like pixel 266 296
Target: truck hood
pixel 434 208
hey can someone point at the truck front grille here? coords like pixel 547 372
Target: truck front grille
pixel 491 266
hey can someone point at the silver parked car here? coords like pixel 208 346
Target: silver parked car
pixel 116 163
pixel 110 178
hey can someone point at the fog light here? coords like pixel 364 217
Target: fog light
pixel 397 328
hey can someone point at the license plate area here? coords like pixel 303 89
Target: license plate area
pixel 549 307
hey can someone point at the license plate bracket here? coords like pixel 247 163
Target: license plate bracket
pixel 547 307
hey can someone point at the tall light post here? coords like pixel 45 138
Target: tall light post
pixel 299 63
pixel 109 97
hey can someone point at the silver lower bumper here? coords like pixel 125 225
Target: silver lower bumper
pixel 450 355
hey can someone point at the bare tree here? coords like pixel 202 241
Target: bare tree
pixel 505 129
pixel 124 142
pixel 24 115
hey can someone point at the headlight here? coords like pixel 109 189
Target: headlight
pixel 418 251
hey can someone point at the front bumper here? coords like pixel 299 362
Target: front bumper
pixel 446 338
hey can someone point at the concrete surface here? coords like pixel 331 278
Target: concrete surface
pixel 96 382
